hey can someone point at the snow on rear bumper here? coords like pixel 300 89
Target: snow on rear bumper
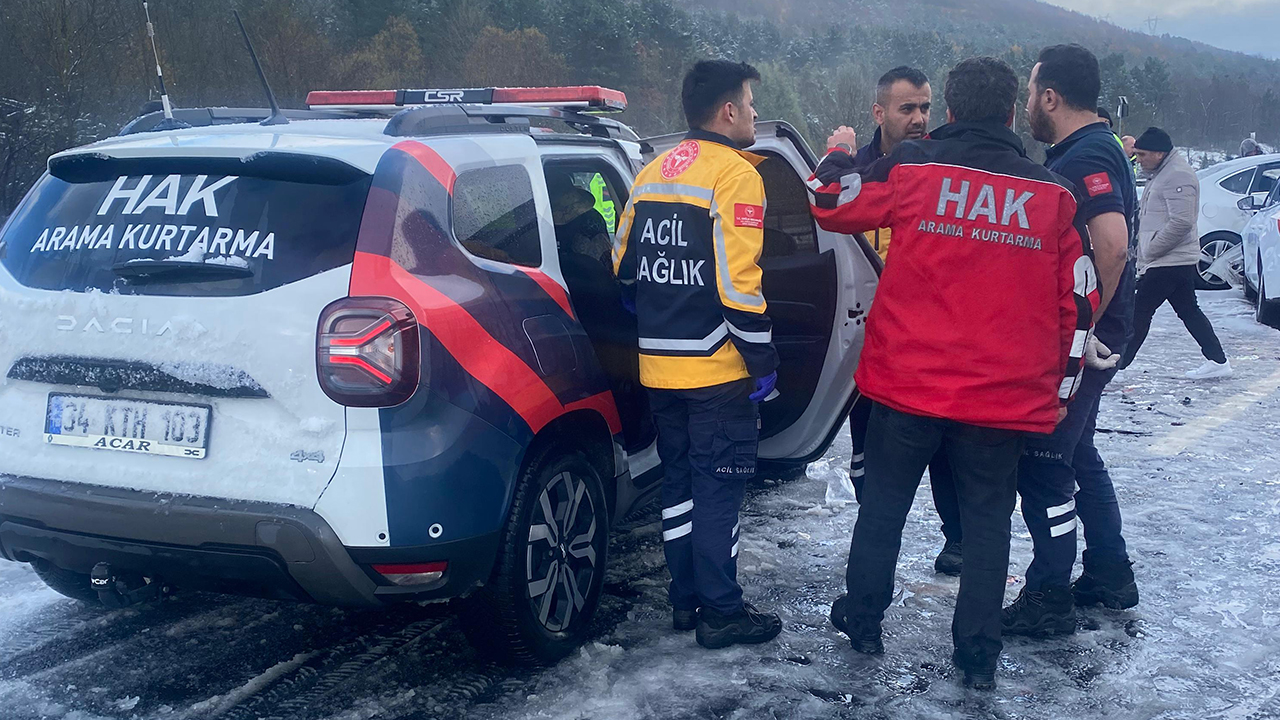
pixel 235 546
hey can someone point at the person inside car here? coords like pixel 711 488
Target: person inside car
pixel 688 252
pixel 579 226
pixel 965 206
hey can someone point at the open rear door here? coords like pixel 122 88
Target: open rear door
pixel 819 287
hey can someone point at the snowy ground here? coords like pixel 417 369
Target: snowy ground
pixel 1196 466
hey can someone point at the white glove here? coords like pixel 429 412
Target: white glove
pixel 1098 356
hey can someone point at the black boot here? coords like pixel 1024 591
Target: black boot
pixel 1106 582
pixel 867 643
pixel 1050 611
pixel 978 678
pixel 684 620
pixel 949 561
pixel 745 627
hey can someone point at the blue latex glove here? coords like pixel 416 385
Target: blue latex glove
pixel 764 386
pixel 628 303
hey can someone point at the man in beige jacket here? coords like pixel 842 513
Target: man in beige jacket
pixel 1168 250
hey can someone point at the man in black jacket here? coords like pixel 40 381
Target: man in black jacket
pixel 901 111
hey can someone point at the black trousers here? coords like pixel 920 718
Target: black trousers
pixel 707 441
pixel 940 481
pixel 1177 285
pixel 984 464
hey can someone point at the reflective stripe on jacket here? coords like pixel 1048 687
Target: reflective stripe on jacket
pixel 688 249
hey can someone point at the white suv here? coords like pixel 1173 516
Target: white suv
pixel 348 359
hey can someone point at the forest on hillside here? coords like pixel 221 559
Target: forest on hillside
pixel 72 71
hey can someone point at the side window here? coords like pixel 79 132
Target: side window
pixel 494 215
pixel 1238 183
pixel 1274 197
pixel 587 197
pixel 788 224
pixel 1265 178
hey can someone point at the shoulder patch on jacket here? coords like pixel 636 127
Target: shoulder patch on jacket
pixel 747 215
pixel 679 159
pixel 1098 184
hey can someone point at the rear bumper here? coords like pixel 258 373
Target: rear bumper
pixel 246 548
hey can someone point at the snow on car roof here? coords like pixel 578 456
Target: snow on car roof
pixel 357 142
pixel 1230 166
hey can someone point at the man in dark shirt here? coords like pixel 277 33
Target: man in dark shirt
pixel 1062 108
pixel 901 112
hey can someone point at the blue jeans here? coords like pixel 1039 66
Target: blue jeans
pixel 1048 475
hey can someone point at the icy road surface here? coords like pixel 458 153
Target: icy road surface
pixel 1198 471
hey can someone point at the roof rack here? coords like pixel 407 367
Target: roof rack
pixel 415 113
pixel 207 117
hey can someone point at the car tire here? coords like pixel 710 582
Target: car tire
pixel 1215 244
pixel 1265 311
pixel 531 612
pixel 1250 292
pixel 66 582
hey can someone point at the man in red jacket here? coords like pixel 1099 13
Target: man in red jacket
pixel 975 339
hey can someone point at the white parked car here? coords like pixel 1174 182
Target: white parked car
pixel 1261 254
pixel 1222 221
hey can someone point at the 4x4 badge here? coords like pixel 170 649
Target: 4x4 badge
pixel 302 456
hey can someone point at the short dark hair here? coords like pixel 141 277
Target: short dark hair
pixel 981 89
pixel 917 79
pixel 711 83
pixel 1072 72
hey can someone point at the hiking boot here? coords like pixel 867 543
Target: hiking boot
pixel 1040 613
pixel 949 561
pixel 745 627
pixel 978 678
pixel 868 644
pixel 1107 582
pixel 684 620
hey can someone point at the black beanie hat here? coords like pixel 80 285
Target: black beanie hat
pixel 1155 140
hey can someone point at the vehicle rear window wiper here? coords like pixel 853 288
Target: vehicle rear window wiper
pixel 179 271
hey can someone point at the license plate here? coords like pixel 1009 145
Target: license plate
pixel 137 426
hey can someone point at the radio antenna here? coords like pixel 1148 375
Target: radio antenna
pixel 276 117
pixel 169 123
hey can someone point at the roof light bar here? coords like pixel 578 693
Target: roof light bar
pixel 590 97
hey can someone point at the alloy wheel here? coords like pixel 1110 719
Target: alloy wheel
pixel 561 554
pixel 1221 263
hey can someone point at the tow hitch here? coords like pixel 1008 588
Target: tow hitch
pixel 118 591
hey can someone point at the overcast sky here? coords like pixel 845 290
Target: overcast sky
pixel 1249 26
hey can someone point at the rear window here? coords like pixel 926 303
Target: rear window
pixel 203 235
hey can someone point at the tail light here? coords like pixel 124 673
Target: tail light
pixel 367 352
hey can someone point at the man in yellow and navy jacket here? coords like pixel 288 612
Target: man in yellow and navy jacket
pixel 687 254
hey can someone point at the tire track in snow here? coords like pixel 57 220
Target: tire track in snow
pixel 325 672
pixel 77 640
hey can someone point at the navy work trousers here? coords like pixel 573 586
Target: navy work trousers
pixel 707 441
pixel 984 463
pixel 1048 475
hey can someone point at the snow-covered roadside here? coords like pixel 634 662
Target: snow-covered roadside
pixel 1203 525
pixel 1198 471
